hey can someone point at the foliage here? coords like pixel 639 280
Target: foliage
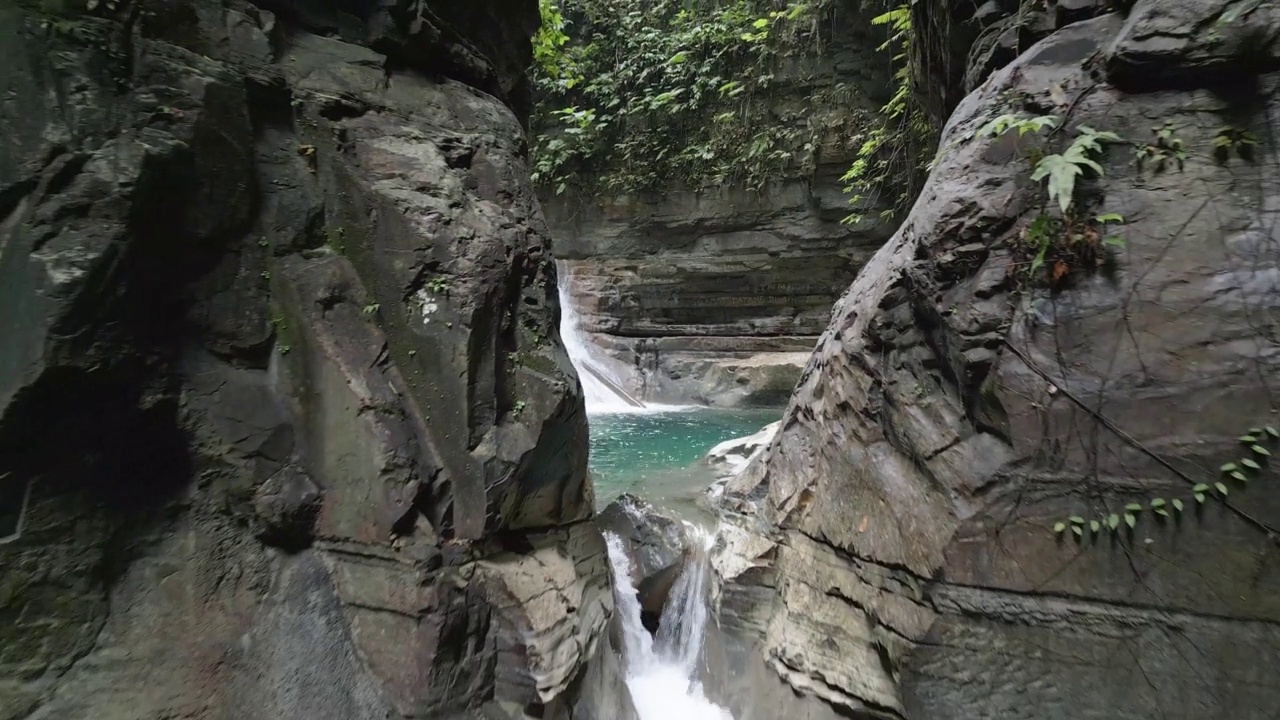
pixel 887 161
pixel 1167 149
pixel 637 95
pixel 548 43
pixel 1072 239
pixel 1063 243
pixel 1061 171
pixel 1231 138
pixel 1241 471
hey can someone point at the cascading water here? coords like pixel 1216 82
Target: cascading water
pixel 602 389
pixel 661 672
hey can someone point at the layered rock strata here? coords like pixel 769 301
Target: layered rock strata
pixel 895 555
pixel 286 426
pixel 717 294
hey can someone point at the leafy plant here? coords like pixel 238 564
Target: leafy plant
pixel 887 161
pixel 371 308
pixel 635 96
pixel 1060 171
pixel 1068 241
pixel 1165 150
pixel 1009 121
pixel 1242 471
pixel 1229 139
pixel 1065 243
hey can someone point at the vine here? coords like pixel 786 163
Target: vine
pixel 635 96
pixel 1242 470
pixel 887 164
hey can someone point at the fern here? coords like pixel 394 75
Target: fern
pixel 1062 169
pixel 1023 125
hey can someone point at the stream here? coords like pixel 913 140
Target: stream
pixel 654 452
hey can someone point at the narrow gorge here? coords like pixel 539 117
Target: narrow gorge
pixel 637 360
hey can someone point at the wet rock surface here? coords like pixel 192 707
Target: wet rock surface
pixel 893 551
pixel 282 369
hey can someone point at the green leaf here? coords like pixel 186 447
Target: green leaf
pixel 678 58
pixel 1200 487
pixel 1059 527
pixel 1239 476
pixel 1113 521
pixel 1104 135
pixel 1177 504
pixel 1130 519
pixel 1157 502
pixel 1250 463
pixel 1162 512
pixel 1061 173
pixel 1114 241
pixel 1095 526
pixel 759 23
pixel 1221 487
pixel 1260 450
pixel 1273 432
pixel 1076 520
pixel 1109 218
pixel 1228 467
pixel 1076 529
pixel 1200 498
pixel 1248 439
pixel 1133 507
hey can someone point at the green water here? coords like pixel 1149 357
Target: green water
pixel 655 455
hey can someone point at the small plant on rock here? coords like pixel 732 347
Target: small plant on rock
pixel 1060 171
pixel 1166 150
pixel 1259 442
pixel 1062 242
pixel 1232 139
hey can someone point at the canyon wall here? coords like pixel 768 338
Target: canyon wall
pixel 286 426
pixel 1026 472
pixel 718 293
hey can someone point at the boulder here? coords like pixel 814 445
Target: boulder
pixel 653 539
pixel 731 456
pixel 921 539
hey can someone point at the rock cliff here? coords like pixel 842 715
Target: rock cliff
pixel 286 425
pixel 719 292
pixel 919 539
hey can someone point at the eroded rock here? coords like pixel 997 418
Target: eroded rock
pixel 282 371
pixel 898 558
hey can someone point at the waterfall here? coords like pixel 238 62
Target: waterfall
pixel 602 389
pixel 661 672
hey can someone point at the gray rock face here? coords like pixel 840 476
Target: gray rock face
pixel 897 556
pixel 709 294
pixel 286 425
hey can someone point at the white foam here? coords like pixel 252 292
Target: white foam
pixel 595 370
pixel 661 673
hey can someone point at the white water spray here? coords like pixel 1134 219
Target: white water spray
pixel 661 673
pixel 602 389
